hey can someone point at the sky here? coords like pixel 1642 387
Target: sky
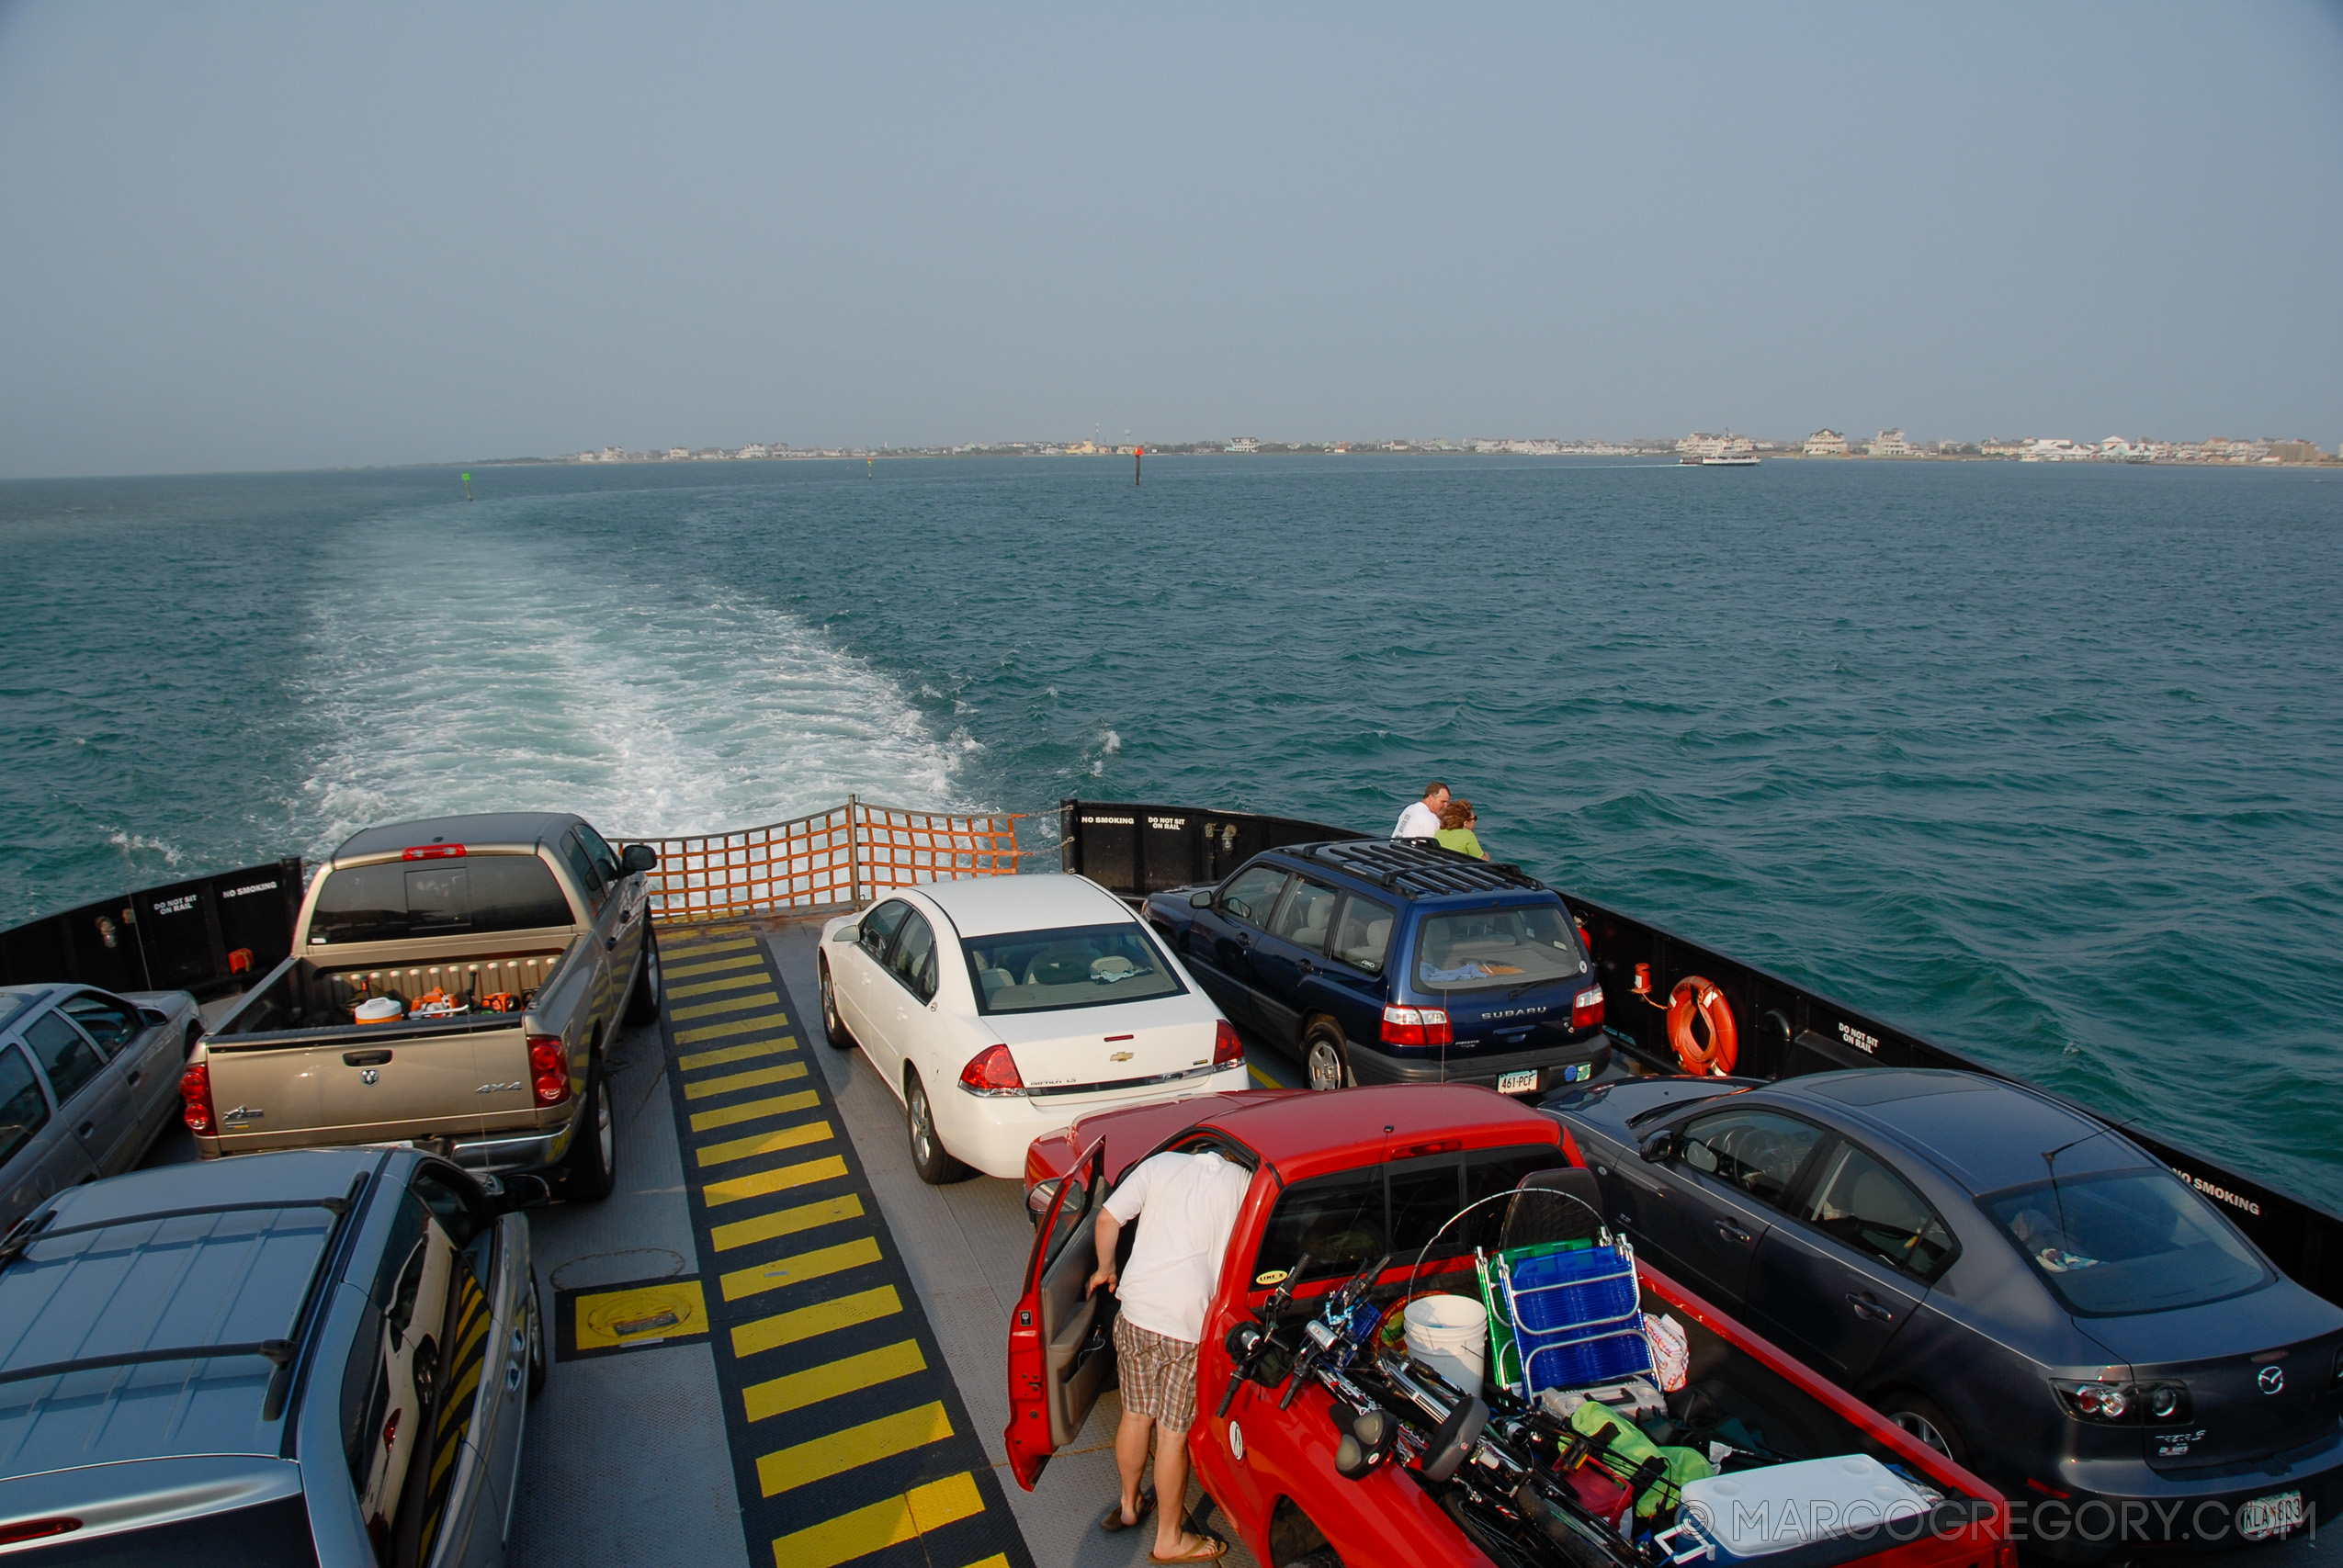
pixel 305 236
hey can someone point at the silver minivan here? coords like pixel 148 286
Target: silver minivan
pixel 87 1078
pixel 319 1357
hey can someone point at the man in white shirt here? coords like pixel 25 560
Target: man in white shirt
pixel 1191 1202
pixel 1421 820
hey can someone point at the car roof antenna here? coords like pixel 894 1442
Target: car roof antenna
pixel 2050 1159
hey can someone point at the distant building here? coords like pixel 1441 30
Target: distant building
pixel 2295 451
pixel 1826 444
pixel 2002 448
pixel 754 449
pixel 1245 444
pixel 678 454
pixel 1892 444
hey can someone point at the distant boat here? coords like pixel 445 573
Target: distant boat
pixel 1728 462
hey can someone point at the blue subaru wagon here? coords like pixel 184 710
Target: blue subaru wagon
pixel 1381 960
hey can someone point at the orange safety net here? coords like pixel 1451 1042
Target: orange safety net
pixel 832 858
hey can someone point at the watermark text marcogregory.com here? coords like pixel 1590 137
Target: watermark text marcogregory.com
pixel 2093 1521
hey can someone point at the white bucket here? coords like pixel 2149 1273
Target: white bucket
pixel 1450 1335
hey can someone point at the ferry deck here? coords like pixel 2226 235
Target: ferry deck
pixel 773 1342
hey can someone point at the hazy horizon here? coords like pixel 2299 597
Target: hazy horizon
pixel 288 239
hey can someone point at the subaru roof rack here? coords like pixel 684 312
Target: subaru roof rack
pixel 1421 867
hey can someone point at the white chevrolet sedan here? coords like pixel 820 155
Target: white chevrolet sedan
pixel 1000 1009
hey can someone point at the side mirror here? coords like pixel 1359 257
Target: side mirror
pixel 516 1192
pixel 638 857
pixel 153 1018
pixel 1201 900
pixel 850 932
pixel 1663 1145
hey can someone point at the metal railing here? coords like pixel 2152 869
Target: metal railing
pixel 828 860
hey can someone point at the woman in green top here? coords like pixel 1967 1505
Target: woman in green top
pixel 1457 830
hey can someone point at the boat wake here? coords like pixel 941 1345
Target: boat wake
pixel 522 680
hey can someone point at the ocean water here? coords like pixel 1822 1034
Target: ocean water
pixel 2043 763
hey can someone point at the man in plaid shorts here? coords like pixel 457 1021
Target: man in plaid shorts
pixel 1191 1202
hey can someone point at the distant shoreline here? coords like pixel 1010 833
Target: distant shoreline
pixel 1665 457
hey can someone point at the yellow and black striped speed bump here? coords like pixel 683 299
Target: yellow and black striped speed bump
pixel 849 1443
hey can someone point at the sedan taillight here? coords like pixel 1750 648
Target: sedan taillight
pixel 195 1088
pixel 550 1068
pixel 992 1071
pixel 1586 1008
pixel 1416 1026
pixel 1227 1051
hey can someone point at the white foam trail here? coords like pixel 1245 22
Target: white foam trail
pixel 518 681
pixel 134 844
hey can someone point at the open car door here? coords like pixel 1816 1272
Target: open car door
pixel 1059 1348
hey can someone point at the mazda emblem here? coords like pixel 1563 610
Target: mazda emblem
pixel 2272 1380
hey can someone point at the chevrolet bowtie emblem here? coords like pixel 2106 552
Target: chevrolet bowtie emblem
pixel 1120 1056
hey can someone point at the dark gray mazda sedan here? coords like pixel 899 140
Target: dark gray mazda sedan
pixel 2014 1282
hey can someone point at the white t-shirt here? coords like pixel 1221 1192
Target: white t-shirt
pixel 1190 1203
pixel 1419 821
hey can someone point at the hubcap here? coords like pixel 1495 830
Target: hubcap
pixel 602 1119
pixel 829 1004
pixel 1326 1068
pixel 1921 1426
pixel 919 1123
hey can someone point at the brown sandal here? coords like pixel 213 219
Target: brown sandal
pixel 1113 1520
pixel 1210 1549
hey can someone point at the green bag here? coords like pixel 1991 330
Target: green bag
pixel 1626 1449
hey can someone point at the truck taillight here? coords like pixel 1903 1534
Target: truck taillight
pixel 1227 1051
pixel 1416 1026
pixel 432 851
pixel 1586 1008
pixel 195 1088
pixel 550 1068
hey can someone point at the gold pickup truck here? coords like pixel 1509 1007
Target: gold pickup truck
pixel 454 981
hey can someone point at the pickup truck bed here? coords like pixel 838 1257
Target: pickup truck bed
pixel 290 1059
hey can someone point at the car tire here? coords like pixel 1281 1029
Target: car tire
pixel 1926 1419
pixel 592 1169
pixel 643 1002
pixel 833 1028
pixel 536 1339
pixel 935 1166
pixel 1326 1059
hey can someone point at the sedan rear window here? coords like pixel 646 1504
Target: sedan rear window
pixel 395 901
pixel 1484 949
pixel 1073 967
pixel 2127 1241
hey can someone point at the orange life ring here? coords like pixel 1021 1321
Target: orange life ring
pixel 1692 995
